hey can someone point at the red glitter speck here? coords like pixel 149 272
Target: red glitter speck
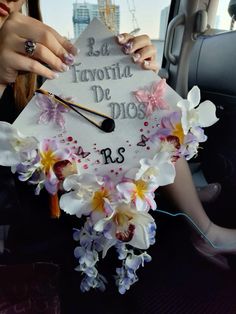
pixel 120 169
pixel 75 142
pixel 79 160
pixel 85 166
pixel 146 123
pixel 112 171
pixel 141 130
pixel 69 138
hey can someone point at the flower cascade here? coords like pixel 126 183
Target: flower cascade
pixel 114 215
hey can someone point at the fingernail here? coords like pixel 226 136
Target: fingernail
pixel 146 63
pixel 55 75
pixel 136 57
pixel 64 67
pixel 127 47
pixel 74 50
pixel 69 59
pixel 120 38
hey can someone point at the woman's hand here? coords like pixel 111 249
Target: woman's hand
pixel 141 48
pixel 52 49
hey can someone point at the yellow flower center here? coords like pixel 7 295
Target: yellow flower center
pixel 140 189
pixel 48 159
pixel 98 199
pixel 122 218
pixel 179 132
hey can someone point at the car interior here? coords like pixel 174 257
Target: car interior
pixel 197 54
pixel 179 279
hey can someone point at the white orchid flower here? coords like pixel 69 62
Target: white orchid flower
pixel 195 113
pixel 126 224
pixel 159 170
pixel 87 194
pixel 140 192
pixel 14 147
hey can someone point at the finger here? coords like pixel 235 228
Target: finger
pixel 136 43
pixel 45 35
pixel 146 53
pixel 23 63
pixel 150 65
pixel 69 47
pixel 124 38
pixel 44 55
pixel 141 41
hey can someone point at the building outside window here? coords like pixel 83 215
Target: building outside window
pixel 72 17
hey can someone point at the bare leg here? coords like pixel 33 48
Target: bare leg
pixel 184 195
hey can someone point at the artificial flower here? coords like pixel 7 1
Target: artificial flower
pixel 88 237
pixel 90 243
pixel 65 168
pixel 51 153
pixel 86 257
pixel 94 282
pixel 14 147
pixel 126 224
pixel 126 275
pixel 170 137
pixel 195 113
pixel 154 98
pixel 87 194
pixel 170 125
pixel 159 170
pixel 140 192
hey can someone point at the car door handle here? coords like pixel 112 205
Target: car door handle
pixel 177 20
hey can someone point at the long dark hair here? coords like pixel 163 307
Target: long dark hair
pixel 26 83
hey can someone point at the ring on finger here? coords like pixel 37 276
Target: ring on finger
pixel 30 47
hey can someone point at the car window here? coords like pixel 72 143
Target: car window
pixel 70 17
pixel 222 19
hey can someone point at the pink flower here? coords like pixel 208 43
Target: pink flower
pixel 139 192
